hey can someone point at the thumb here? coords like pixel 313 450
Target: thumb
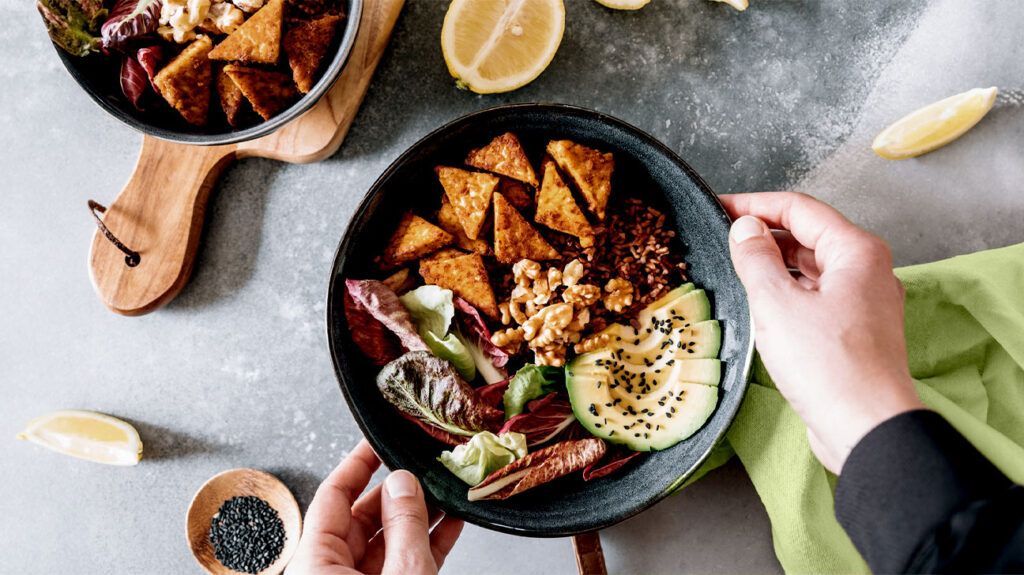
pixel 406 527
pixel 757 259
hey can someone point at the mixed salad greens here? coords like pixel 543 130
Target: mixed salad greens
pixel 506 432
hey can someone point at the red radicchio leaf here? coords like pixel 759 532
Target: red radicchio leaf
pixel 128 20
pixel 471 321
pixel 150 57
pixel 135 69
pixel 436 432
pixel 493 394
pixel 376 311
pixel 615 461
pixel 574 431
pixel 547 418
pixel 538 468
pixel 133 81
pixel 373 339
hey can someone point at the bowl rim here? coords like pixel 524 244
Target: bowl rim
pixel 266 127
pixel 333 307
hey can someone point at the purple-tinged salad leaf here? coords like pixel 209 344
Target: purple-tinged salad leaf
pixel 151 57
pixel 429 389
pixel 378 344
pixel 529 383
pixel 493 394
pixel 436 432
pixel 490 359
pixel 574 431
pixel 372 310
pixel 133 81
pixel 129 19
pixel 538 468
pixel 484 454
pixel 73 24
pixel 614 461
pixel 137 72
pixel 545 420
pixel 433 309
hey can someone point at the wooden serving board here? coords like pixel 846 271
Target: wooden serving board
pixel 160 211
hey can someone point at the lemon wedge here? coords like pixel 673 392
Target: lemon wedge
pixel 935 125
pixel 86 435
pixel 739 5
pixel 495 46
pixel 623 4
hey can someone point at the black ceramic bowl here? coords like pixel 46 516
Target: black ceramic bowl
pixel 99 76
pixel 643 166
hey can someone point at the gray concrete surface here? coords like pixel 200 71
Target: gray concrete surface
pixel 235 372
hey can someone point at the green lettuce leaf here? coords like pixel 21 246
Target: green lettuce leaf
pixel 432 310
pixel 529 383
pixel 484 454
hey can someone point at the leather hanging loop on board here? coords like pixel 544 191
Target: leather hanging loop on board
pixel 131 257
pixel 161 209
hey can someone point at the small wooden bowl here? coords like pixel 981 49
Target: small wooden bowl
pixel 240 483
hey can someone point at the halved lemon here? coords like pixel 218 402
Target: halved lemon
pixel 935 125
pixel 740 5
pixel 86 435
pixel 499 45
pixel 623 4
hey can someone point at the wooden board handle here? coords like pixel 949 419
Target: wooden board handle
pixel 589 555
pixel 158 214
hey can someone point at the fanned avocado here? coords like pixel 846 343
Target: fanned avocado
pixel 654 385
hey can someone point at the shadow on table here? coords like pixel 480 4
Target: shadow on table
pixel 302 482
pixel 163 443
pixel 231 236
pixel 718 524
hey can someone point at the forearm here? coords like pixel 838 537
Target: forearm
pixel 915 496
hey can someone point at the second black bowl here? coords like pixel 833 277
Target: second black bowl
pixel 99 76
pixel 643 166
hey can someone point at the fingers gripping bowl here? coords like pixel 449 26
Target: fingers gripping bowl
pixel 648 174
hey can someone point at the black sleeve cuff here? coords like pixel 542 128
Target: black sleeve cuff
pixel 903 480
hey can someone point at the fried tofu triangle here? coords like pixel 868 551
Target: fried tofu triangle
pixel 449 222
pixel 268 92
pixel 515 238
pixel 232 101
pixel 414 238
pixel 557 209
pixel 400 281
pixel 470 195
pixel 186 81
pixel 258 40
pixel 466 276
pixel 590 170
pixel 505 156
pixel 306 45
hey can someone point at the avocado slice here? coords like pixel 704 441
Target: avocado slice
pixel 621 369
pixel 658 420
pixel 694 341
pixel 655 385
pixel 682 309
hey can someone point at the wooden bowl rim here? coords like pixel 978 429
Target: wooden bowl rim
pixel 291 518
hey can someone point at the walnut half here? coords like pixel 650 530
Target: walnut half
pixel 618 295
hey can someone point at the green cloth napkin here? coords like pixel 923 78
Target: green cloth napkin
pixel 965 341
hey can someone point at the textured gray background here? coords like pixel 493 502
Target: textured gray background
pixel 235 372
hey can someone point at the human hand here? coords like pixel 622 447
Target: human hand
pixel 385 530
pixel 831 337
